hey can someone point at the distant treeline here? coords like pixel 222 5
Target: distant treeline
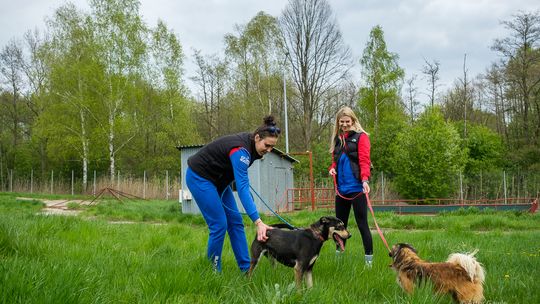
pixel 102 90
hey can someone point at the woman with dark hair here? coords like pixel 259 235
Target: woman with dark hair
pixel 351 166
pixel 211 170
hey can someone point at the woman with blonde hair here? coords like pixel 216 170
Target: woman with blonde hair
pixel 351 163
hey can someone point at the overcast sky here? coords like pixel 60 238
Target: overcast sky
pixel 442 30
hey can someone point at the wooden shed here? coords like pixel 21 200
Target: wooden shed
pixel 270 176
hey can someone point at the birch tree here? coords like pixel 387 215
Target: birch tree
pixel 381 74
pixel 119 34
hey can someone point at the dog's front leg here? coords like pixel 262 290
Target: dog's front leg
pixel 309 278
pixel 251 268
pixel 298 275
pixel 406 283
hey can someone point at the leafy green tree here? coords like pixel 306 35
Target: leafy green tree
pixel 119 34
pixel 161 106
pixel 73 74
pixel 391 125
pixel 485 147
pixel 255 57
pixel 382 78
pixel 428 157
pixel 36 70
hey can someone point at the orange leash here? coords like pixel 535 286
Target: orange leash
pixel 370 208
pixel 376 225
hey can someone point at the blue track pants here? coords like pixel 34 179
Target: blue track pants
pixel 221 215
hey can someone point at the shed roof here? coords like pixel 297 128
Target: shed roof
pixel 274 150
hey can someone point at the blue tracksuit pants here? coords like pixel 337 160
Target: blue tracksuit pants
pixel 221 214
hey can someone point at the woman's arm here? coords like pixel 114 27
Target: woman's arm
pixel 364 160
pixel 240 160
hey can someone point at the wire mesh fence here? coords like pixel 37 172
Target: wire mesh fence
pixel 486 185
pixel 163 185
pixel 166 184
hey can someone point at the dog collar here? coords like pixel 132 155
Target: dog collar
pixel 318 235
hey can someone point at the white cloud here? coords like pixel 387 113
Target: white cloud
pixel 414 29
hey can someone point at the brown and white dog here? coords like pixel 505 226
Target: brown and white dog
pixel 461 275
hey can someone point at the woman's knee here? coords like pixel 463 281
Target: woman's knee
pixel 235 220
pixel 218 228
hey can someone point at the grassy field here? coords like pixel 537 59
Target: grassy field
pixel 148 252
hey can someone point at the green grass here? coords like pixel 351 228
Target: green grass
pixel 159 257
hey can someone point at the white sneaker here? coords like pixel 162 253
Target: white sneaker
pixel 369 260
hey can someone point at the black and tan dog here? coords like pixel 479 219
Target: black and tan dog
pixel 461 275
pixel 299 248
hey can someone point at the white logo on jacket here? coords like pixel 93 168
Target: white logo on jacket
pixel 244 159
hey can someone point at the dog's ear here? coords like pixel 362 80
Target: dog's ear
pixel 324 220
pixel 395 250
pixel 409 246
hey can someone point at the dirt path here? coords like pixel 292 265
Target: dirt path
pixel 57 207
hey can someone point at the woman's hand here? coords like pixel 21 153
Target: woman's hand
pixel 366 187
pixel 262 228
pixel 332 171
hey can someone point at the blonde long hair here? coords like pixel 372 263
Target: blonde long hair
pixel 344 111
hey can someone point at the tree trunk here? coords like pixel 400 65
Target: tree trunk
pixel 84 141
pixel 376 103
pixel 111 145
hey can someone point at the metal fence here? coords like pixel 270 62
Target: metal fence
pixel 483 187
pixel 165 185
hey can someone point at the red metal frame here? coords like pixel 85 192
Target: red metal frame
pixel 311 180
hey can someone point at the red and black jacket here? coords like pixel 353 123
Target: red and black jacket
pixel 357 148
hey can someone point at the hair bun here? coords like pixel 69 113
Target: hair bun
pixel 269 120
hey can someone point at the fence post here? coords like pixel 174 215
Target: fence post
pixel 72 181
pixel 167 184
pixel 518 184
pixel 481 194
pixel 32 181
pixel 144 185
pixel 504 186
pixel 461 188
pixel 94 190
pixel 1 173
pixel 118 181
pixel 52 180
pixel 311 181
pixel 382 185
pixel 11 180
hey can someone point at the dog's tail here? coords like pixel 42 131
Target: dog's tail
pixel 473 268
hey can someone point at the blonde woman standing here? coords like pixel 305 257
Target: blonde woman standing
pixel 351 163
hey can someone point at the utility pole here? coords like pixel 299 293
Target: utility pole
pixel 285 105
